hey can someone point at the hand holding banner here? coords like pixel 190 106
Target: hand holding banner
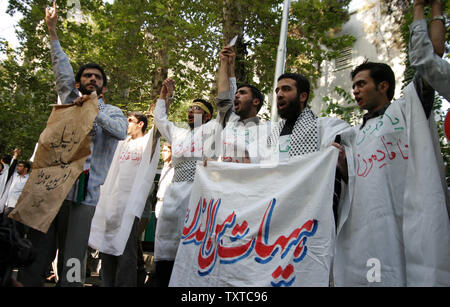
pixel 252 226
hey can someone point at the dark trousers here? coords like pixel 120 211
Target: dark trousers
pixel 19 226
pixel 69 234
pixel 121 271
pixel 163 271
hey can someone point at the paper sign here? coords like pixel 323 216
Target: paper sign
pixel 63 147
pixel 233 41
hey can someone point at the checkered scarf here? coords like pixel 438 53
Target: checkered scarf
pixel 185 171
pixel 305 135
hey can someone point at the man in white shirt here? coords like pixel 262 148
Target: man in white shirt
pixel 394 228
pixel 241 123
pixel 187 149
pixel 122 199
pixel 4 167
pixel 14 190
pixel 18 181
pixel 9 165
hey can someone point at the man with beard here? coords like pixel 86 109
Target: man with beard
pixel 187 149
pixel 300 131
pixel 241 108
pixel 246 101
pixel 69 231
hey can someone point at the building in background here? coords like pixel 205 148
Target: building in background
pixel 376 28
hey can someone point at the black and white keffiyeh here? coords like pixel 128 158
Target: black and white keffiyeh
pixel 305 134
pixel 185 171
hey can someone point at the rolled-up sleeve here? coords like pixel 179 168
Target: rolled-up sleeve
pixel 233 87
pixel 65 81
pixel 224 102
pixel 430 66
pixel 113 122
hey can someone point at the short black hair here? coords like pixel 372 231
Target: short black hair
pixel 26 164
pixel 89 66
pixel 141 118
pixel 379 72
pixel 206 104
pixel 7 159
pixel 302 83
pixel 256 93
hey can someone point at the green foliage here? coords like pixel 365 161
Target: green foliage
pixel 25 97
pixel 313 36
pixel 346 110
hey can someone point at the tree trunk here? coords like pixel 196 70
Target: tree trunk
pixel 158 76
pixel 233 24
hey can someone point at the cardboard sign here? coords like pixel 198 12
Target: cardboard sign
pixel 63 147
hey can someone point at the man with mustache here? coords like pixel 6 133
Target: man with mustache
pixel 241 109
pixel 300 131
pixel 13 191
pixel 70 229
pixel 394 230
pixel 187 148
pixel 246 101
pixel 114 228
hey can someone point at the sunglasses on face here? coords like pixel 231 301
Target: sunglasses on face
pixel 88 75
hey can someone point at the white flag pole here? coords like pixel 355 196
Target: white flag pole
pixel 281 57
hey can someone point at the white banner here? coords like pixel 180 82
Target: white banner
pixel 253 226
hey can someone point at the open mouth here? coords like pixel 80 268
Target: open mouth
pixel 281 104
pixel 358 100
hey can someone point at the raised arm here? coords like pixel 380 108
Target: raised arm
pixel 165 127
pixel 51 19
pixel 226 84
pixel 113 122
pixel 232 75
pixel 425 50
pixel 65 81
pixel 14 161
pixel 225 71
